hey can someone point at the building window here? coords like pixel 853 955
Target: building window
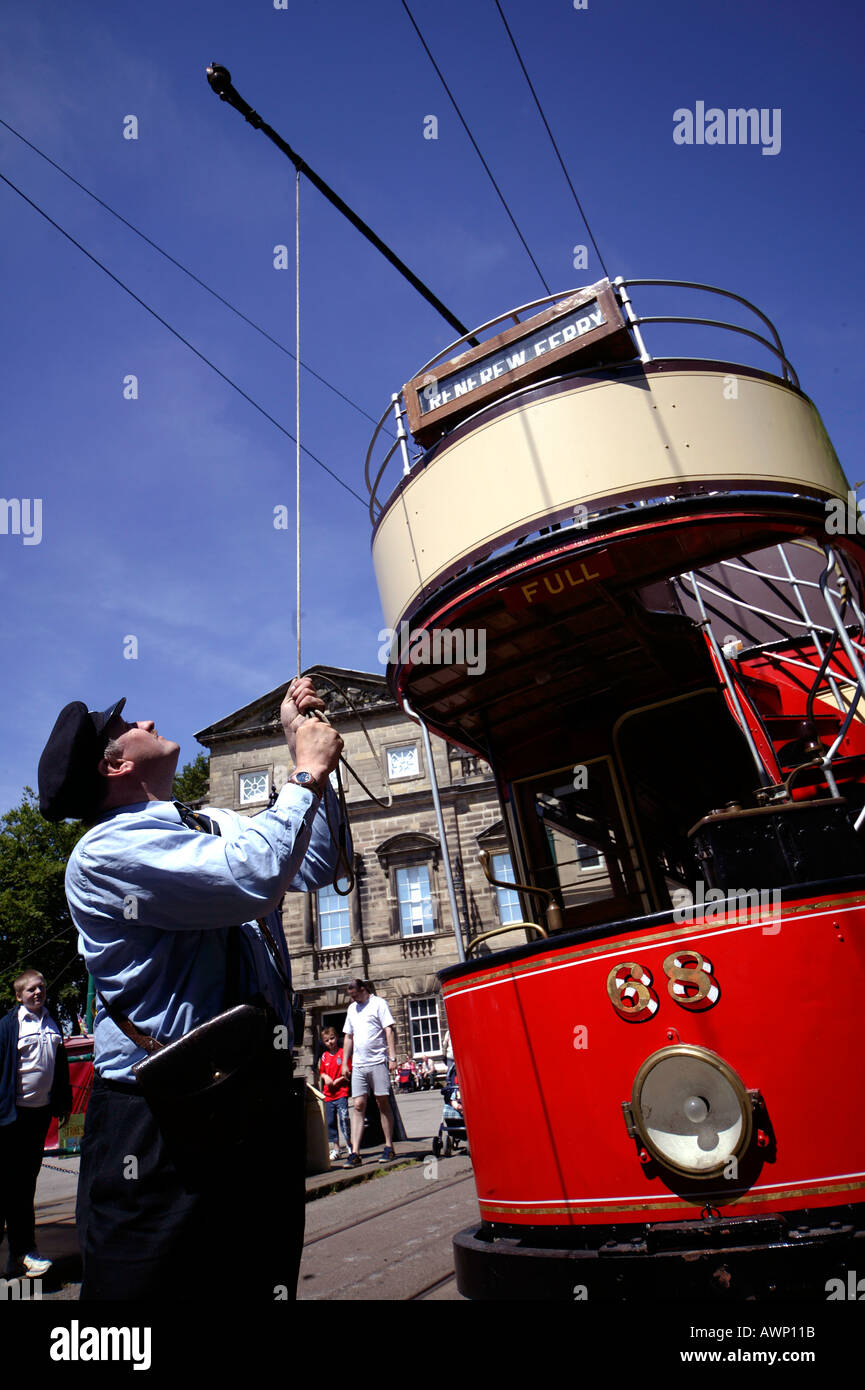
pixel 415 900
pixel 253 787
pixel 333 919
pixel 423 1019
pixel 588 857
pixel 508 901
pixel 403 761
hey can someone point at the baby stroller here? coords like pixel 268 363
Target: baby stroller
pixel 452 1130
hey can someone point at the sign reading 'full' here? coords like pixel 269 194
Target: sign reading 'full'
pixel 583 329
pixel 561 586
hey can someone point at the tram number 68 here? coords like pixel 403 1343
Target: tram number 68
pixel 690 983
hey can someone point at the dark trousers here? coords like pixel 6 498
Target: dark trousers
pixel 21 1145
pixel 146 1232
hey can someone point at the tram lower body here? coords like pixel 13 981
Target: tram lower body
pixel 668 1106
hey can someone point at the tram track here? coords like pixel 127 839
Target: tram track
pixel 430 1289
pixel 394 1206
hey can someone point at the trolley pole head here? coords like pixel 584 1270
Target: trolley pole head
pixel 220 82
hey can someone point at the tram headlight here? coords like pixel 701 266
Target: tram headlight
pixel 691 1110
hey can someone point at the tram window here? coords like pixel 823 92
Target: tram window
pixel 508 899
pixel 574 844
pixel 423 1017
pixel 581 869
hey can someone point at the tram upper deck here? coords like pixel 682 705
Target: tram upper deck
pixel 565 475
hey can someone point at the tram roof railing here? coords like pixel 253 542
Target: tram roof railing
pixel 636 323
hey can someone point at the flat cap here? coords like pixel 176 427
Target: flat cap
pixel 69 780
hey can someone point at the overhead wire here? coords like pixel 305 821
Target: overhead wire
pixel 42 944
pixel 552 137
pixel 186 271
pixel 475 146
pixel 206 360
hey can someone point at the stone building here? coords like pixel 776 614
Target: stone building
pixel 394 927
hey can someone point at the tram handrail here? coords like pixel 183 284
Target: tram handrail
pixel 719 323
pixel 752 607
pixel 552 910
pixel 506 927
pixel 849 649
pixel 727 294
pixel 823 674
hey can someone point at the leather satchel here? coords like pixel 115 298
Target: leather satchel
pixel 222 1092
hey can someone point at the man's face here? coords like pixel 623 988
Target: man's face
pixel 141 744
pixel 32 995
pixel 357 996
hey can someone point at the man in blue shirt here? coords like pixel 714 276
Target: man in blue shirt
pixel 154 900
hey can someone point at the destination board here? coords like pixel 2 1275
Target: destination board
pixel 587 327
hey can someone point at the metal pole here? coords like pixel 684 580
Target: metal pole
pixel 726 677
pixel 845 640
pixel 633 322
pixel 401 436
pixel 441 825
pixel 818 646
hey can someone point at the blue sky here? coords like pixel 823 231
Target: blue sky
pixel 157 513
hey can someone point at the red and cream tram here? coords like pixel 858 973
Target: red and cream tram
pixel 658 560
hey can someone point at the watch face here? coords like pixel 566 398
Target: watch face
pixel 302 778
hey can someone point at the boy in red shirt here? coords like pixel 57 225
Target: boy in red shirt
pixel 335 1091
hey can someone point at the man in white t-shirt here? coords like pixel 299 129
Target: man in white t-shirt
pixel 370 1044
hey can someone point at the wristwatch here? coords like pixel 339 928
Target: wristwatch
pixel 306 780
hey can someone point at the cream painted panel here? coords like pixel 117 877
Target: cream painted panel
pixel 588 443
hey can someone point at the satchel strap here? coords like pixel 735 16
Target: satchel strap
pixel 274 953
pixel 143 1040
pixel 197 820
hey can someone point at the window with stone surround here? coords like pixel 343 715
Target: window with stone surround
pixel 507 898
pixel 334 927
pixel 409 861
pixel 415 900
pixel 425 1026
pixel 253 787
pixel 402 761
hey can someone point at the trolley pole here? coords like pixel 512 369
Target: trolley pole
pixel 220 82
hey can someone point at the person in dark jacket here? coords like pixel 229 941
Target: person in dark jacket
pixel 34 1085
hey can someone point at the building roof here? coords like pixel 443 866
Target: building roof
pixel 341 689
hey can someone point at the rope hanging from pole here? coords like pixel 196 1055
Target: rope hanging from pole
pixel 297 393
pixel 344 870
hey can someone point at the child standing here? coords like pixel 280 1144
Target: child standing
pixel 335 1089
